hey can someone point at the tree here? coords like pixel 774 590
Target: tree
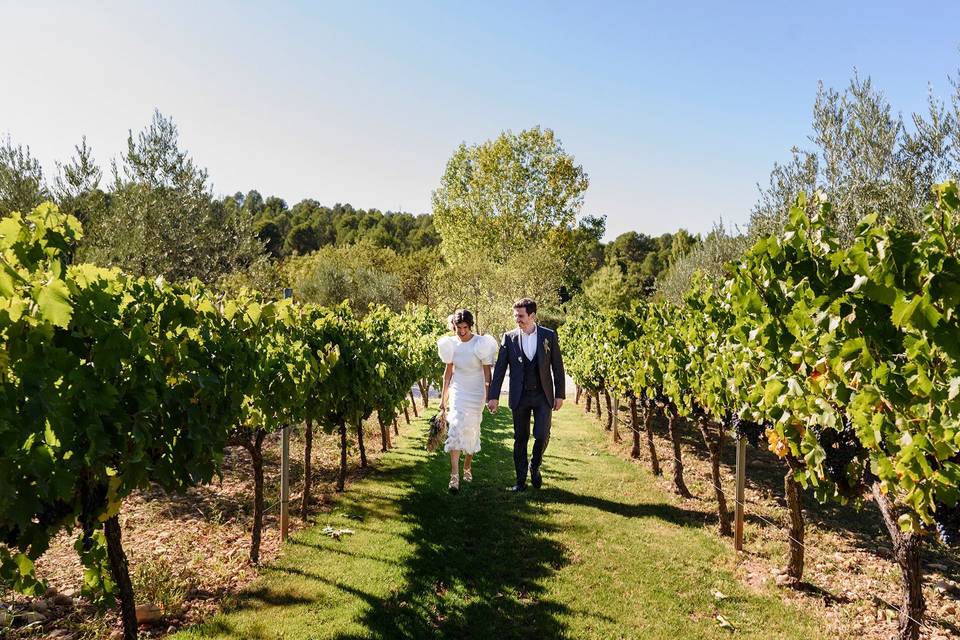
pixel 642 259
pixel 337 225
pixel 78 177
pixel 710 259
pixel 864 159
pixel 362 273
pixel 501 206
pixel 331 284
pixel 21 179
pixel 268 232
pixel 162 219
pixel 253 202
pixel 274 207
pixel 418 272
pixel 499 197
pixel 301 240
pixel 584 250
pixel 76 188
pixel 628 249
pixel 606 289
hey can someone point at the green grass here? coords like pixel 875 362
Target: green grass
pixel 599 552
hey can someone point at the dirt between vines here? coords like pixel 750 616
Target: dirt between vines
pixel 191 551
pixel 850 578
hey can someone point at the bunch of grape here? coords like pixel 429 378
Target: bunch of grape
pixel 841 447
pixel 947 520
pixel 752 431
pixel 698 413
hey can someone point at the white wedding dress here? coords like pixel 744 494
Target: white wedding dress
pixel 467 394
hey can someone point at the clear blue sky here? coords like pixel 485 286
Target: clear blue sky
pixel 675 109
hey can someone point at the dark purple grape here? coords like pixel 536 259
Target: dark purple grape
pixel 947 520
pixel 752 431
pixel 841 448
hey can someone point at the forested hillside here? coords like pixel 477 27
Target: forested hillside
pixel 154 212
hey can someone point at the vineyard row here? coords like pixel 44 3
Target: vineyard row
pixel 844 358
pixel 109 383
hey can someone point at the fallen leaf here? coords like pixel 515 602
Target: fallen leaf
pixel 724 623
pixel 336 533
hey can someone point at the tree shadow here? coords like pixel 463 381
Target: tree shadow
pixel 667 512
pixel 825 596
pixel 261 597
pixel 480 557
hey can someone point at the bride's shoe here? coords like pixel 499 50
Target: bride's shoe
pixel 468 475
pixel 454 484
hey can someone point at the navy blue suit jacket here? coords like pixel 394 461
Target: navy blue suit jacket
pixel 549 366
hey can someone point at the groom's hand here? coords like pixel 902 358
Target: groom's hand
pixel 557 404
pixel 492 405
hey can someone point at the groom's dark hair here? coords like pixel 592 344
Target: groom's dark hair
pixel 526 303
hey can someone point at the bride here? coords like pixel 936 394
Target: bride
pixel 468 358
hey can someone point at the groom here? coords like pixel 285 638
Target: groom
pixel 533 354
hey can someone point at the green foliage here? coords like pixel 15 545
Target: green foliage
pixel 161 218
pixel 422 330
pixel 710 259
pixel 580 338
pixel 21 179
pixel 501 196
pixel 811 333
pixel 380 358
pixel 308 226
pixel 289 367
pixel 632 263
pixel 301 240
pixel 76 188
pixel 867 333
pixel 865 159
pixel 503 206
pixel 109 382
pixel 362 274
pixel 607 289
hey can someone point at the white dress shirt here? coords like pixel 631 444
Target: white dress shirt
pixel 528 342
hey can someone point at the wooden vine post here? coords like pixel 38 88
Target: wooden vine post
pixel 741 482
pixel 285 468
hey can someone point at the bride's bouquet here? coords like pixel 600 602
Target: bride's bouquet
pixel 438 431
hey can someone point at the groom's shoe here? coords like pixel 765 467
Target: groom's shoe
pixel 518 487
pixel 536 479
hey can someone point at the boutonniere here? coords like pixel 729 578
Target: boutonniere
pixel 546 347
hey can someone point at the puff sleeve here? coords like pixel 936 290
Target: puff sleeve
pixel 445 347
pixel 486 349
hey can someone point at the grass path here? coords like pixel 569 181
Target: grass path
pixel 599 552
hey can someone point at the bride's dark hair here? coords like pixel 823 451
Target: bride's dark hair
pixel 462 315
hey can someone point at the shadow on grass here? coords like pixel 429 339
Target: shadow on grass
pixel 667 512
pixel 264 597
pixel 479 557
pixel 223 627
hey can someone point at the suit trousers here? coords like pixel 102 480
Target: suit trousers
pixel 531 404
